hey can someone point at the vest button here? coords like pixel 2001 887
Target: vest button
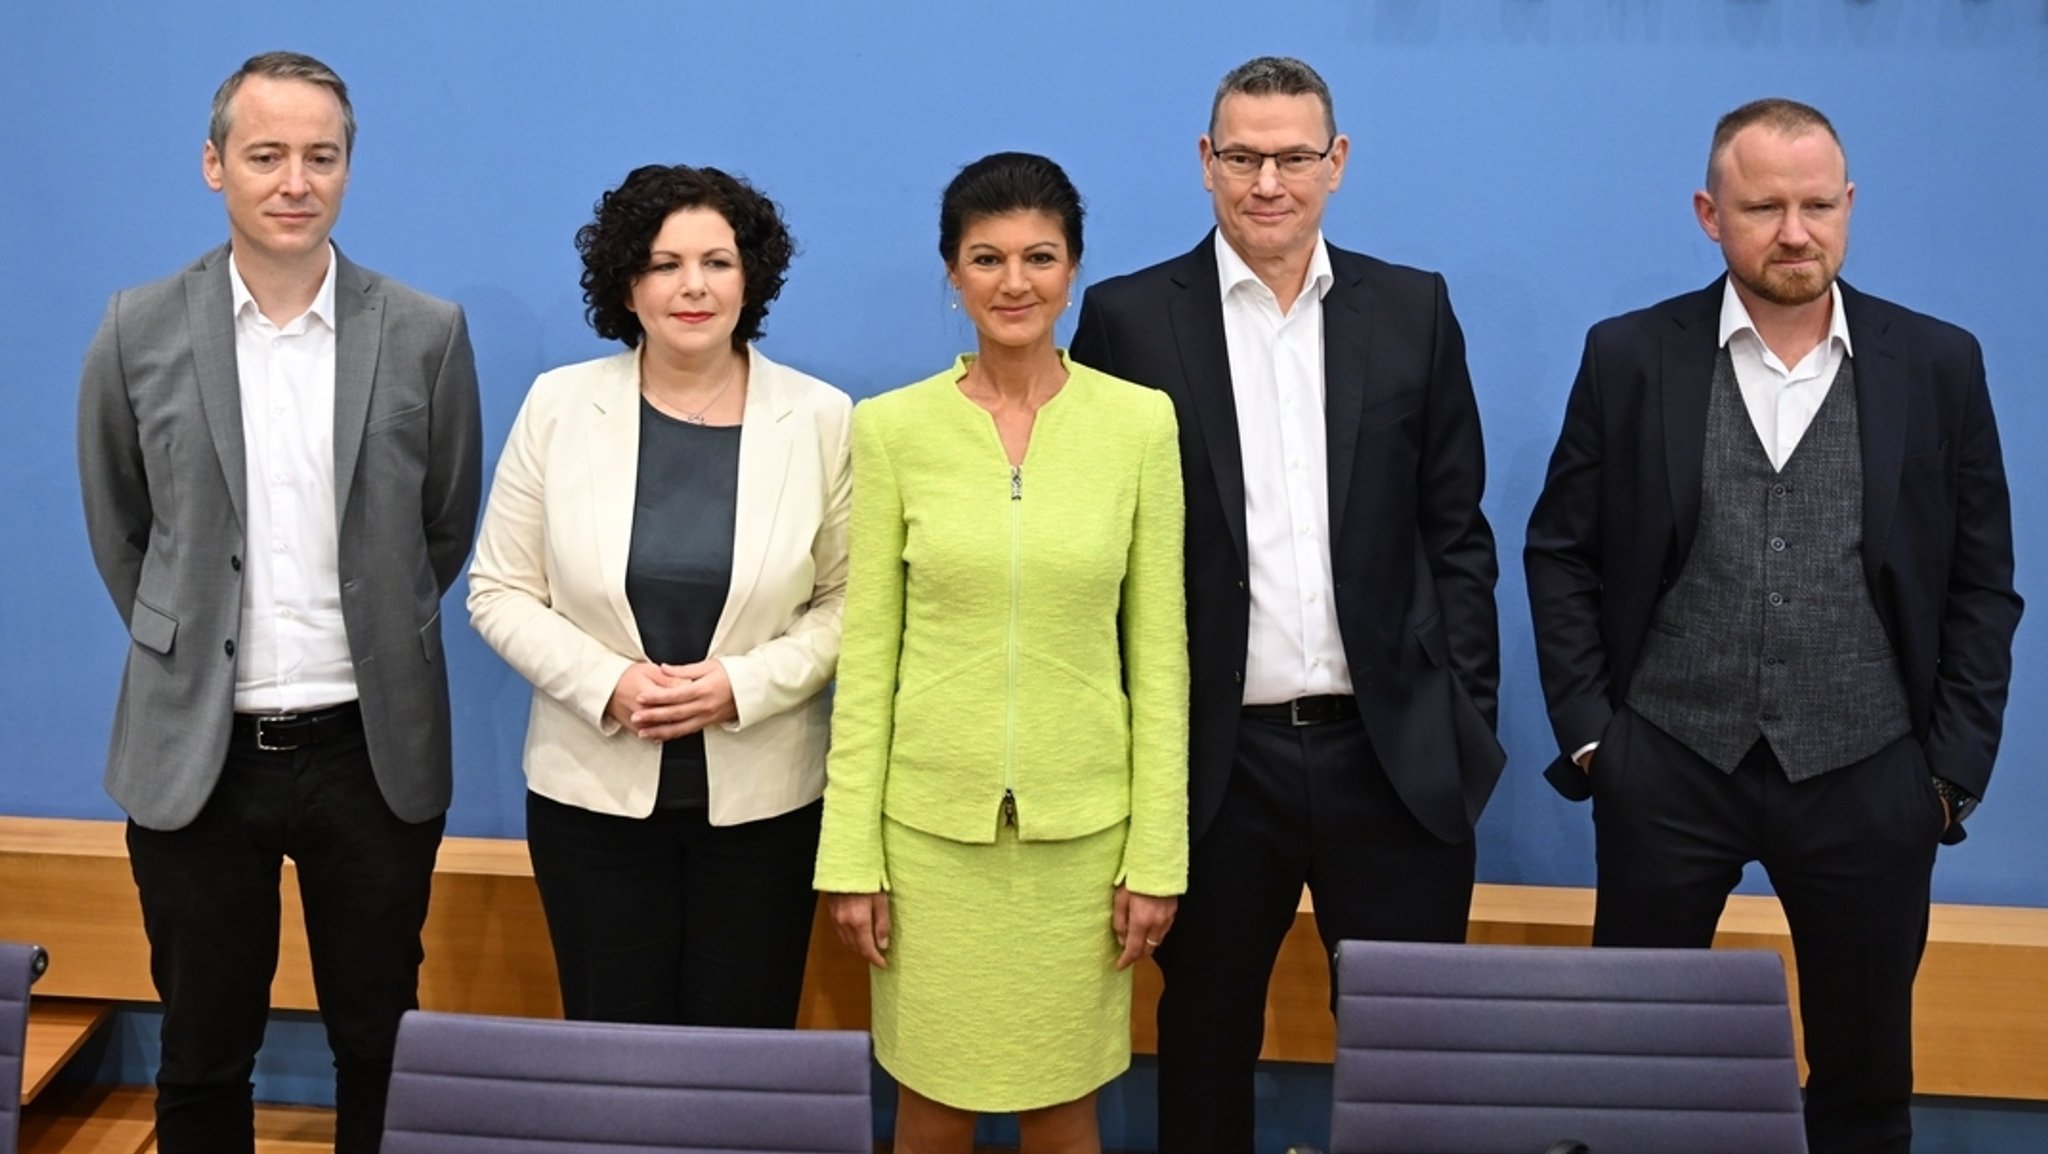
pixel 1779 490
pixel 1777 544
pixel 228 647
pixel 1777 598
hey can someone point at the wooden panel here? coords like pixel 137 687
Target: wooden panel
pixel 91 1120
pixel 68 890
pixel 294 1130
pixel 56 1029
pixel 1981 1005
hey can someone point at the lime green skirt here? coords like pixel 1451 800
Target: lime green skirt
pixel 1002 992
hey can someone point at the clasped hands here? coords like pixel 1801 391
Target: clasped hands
pixel 664 702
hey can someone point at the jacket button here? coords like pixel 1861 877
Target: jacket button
pixel 1240 585
pixel 228 646
pixel 235 563
pixel 1239 675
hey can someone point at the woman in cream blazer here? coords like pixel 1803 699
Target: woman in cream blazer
pixel 677 889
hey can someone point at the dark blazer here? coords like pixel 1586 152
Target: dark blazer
pixel 1621 504
pixel 1411 554
pixel 161 462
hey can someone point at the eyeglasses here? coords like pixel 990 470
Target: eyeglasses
pixel 1245 164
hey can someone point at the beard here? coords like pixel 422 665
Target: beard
pixel 1790 289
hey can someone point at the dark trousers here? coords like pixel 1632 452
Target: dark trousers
pixel 1850 854
pixel 670 920
pixel 1308 805
pixel 210 907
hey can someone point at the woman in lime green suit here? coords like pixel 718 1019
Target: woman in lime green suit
pixel 1005 826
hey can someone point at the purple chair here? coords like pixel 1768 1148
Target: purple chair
pixel 1517 1049
pixel 20 966
pixel 463 1083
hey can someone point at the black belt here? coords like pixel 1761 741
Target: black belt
pixel 276 732
pixel 1306 710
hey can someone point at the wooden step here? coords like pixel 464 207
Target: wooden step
pixel 57 1027
pixel 88 1119
pixel 294 1130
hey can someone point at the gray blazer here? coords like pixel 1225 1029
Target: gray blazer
pixel 160 460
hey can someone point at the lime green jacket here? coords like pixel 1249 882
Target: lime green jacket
pixel 1015 640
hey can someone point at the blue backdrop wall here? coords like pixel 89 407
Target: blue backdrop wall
pixel 1539 152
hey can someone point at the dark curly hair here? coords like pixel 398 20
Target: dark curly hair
pixel 616 242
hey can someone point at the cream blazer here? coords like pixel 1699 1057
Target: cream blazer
pixel 547 588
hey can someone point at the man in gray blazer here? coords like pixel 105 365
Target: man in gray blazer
pixel 280 456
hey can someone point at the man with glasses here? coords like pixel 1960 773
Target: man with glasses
pixel 1344 653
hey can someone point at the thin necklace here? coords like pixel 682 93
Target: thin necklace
pixel 689 417
pixel 697 418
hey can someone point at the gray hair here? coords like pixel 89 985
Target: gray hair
pixel 1275 76
pixel 1785 117
pixel 279 66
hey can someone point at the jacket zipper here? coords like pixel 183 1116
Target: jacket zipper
pixel 1010 721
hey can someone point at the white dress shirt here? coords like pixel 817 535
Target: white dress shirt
pixel 293 655
pixel 1781 401
pixel 1276 375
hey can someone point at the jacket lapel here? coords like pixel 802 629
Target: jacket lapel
pixel 210 318
pixel 1685 388
pixel 358 332
pixel 1196 314
pixel 765 449
pixel 1347 347
pixel 613 443
pixel 1881 408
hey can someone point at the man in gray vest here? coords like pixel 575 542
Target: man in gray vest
pixel 1771 578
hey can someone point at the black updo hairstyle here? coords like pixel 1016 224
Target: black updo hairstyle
pixel 1006 182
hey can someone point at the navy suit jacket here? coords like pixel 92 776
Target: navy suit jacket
pixel 1621 504
pixel 1412 556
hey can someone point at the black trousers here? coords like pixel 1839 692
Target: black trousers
pixel 1851 855
pixel 670 920
pixel 1308 805
pixel 210 907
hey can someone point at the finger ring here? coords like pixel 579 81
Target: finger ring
pixel 1154 942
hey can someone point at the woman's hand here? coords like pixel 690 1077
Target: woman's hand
pixel 863 924
pixel 664 702
pixel 635 684
pixel 1141 922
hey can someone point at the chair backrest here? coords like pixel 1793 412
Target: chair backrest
pixel 20 966
pixel 1509 1049
pixel 463 1083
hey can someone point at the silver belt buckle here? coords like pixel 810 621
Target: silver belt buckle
pixel 264 744
pixel 1293 713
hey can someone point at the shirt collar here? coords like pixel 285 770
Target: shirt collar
pixel 322 307
pixel 1232 271
pixel 1735 317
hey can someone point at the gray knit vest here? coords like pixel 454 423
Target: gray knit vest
pixel 1770 628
